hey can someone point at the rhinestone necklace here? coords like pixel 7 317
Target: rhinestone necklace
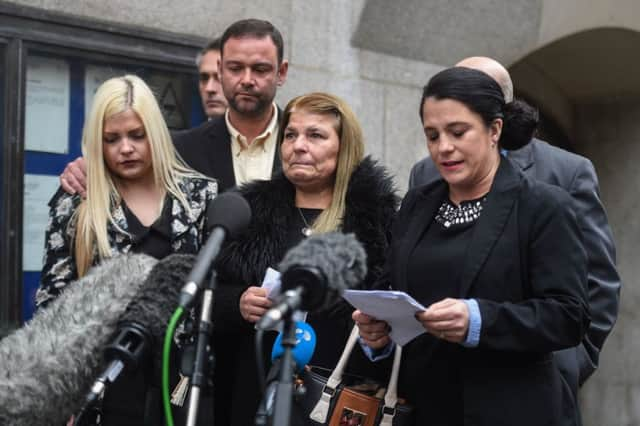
pixel 466 212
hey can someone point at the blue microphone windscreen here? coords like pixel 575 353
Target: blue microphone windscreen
pixel 303 350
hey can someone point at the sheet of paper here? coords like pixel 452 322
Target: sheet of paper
pixel 47 105
pixel 38 189
pixel 271 283
pixel 397 308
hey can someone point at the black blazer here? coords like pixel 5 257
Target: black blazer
pixel 526 266
pixel 207 149
pixel 576 175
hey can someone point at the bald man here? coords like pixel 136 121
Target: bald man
pixel 577 176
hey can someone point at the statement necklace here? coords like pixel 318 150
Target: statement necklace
pixel 466 212
pixel 307 231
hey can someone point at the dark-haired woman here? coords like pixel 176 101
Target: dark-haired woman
pixel 497 260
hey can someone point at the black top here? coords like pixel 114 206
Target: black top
pixel 302 218
pixel 324 354
pixel 154 240
pixel 135 398
pixel 434 264
pixel 433 271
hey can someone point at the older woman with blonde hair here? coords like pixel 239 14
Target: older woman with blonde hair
pixel 326 184
pixel 140 198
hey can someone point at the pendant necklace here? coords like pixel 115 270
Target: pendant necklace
pixel 306 229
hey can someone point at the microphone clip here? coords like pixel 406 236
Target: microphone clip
pixel 283 308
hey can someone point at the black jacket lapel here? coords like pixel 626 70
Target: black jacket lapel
pixel 491 223
pixel 222 162
pixel 427 201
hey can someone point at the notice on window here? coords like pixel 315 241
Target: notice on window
pixel 47 105
pixel 94 76
pixel 169 95
pixel 38 190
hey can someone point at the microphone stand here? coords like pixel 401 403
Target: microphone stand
pixel 205 329
pixel 284 390
pixel 125 353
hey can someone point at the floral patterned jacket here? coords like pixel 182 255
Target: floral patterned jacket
pixel 187 232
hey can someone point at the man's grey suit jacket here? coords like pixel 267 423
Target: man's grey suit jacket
pixel 577 176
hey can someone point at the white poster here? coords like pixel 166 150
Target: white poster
pixel 38 190
pixel 47 106
pixel 94 76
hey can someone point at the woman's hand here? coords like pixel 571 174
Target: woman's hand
pixel 254 303
pixel 447 319
pixel 374 333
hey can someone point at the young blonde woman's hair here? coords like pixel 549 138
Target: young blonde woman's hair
pixel 115 96
pixel 350 153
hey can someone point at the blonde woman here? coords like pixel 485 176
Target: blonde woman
pixel 326 185
pixel 140 198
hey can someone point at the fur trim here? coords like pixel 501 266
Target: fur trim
pixel 370 206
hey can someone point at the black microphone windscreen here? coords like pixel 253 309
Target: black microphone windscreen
pixel 339 257
pixel 47 366
pixel 158 297
pixel 229 211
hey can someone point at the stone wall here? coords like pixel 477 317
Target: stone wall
pixel 610 136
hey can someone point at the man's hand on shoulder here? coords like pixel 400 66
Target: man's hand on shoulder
pixel 74 177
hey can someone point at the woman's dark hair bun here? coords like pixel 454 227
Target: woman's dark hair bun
pixel 520 123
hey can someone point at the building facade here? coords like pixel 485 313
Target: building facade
pixel 575 60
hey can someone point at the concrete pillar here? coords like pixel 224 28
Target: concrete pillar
pixel 609 134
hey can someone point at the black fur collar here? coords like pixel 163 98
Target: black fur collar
pixel 370 206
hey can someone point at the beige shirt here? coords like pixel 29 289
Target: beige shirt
pixel 253 160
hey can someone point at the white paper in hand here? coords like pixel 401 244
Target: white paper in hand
pixel 397 308
pixel 272 284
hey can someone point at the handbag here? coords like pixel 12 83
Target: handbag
pixel 343 400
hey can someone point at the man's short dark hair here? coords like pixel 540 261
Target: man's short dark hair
pixel 256 28
pixel 212 45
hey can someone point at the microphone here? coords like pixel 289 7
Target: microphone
pixel 143 323
pixel 47 365
pixel 302 353
pixel 315 273
pixel 227 215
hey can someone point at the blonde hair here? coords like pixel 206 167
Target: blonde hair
pixel 115 96
pixel 350 153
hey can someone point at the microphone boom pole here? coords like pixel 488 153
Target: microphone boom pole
pixel 284 390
